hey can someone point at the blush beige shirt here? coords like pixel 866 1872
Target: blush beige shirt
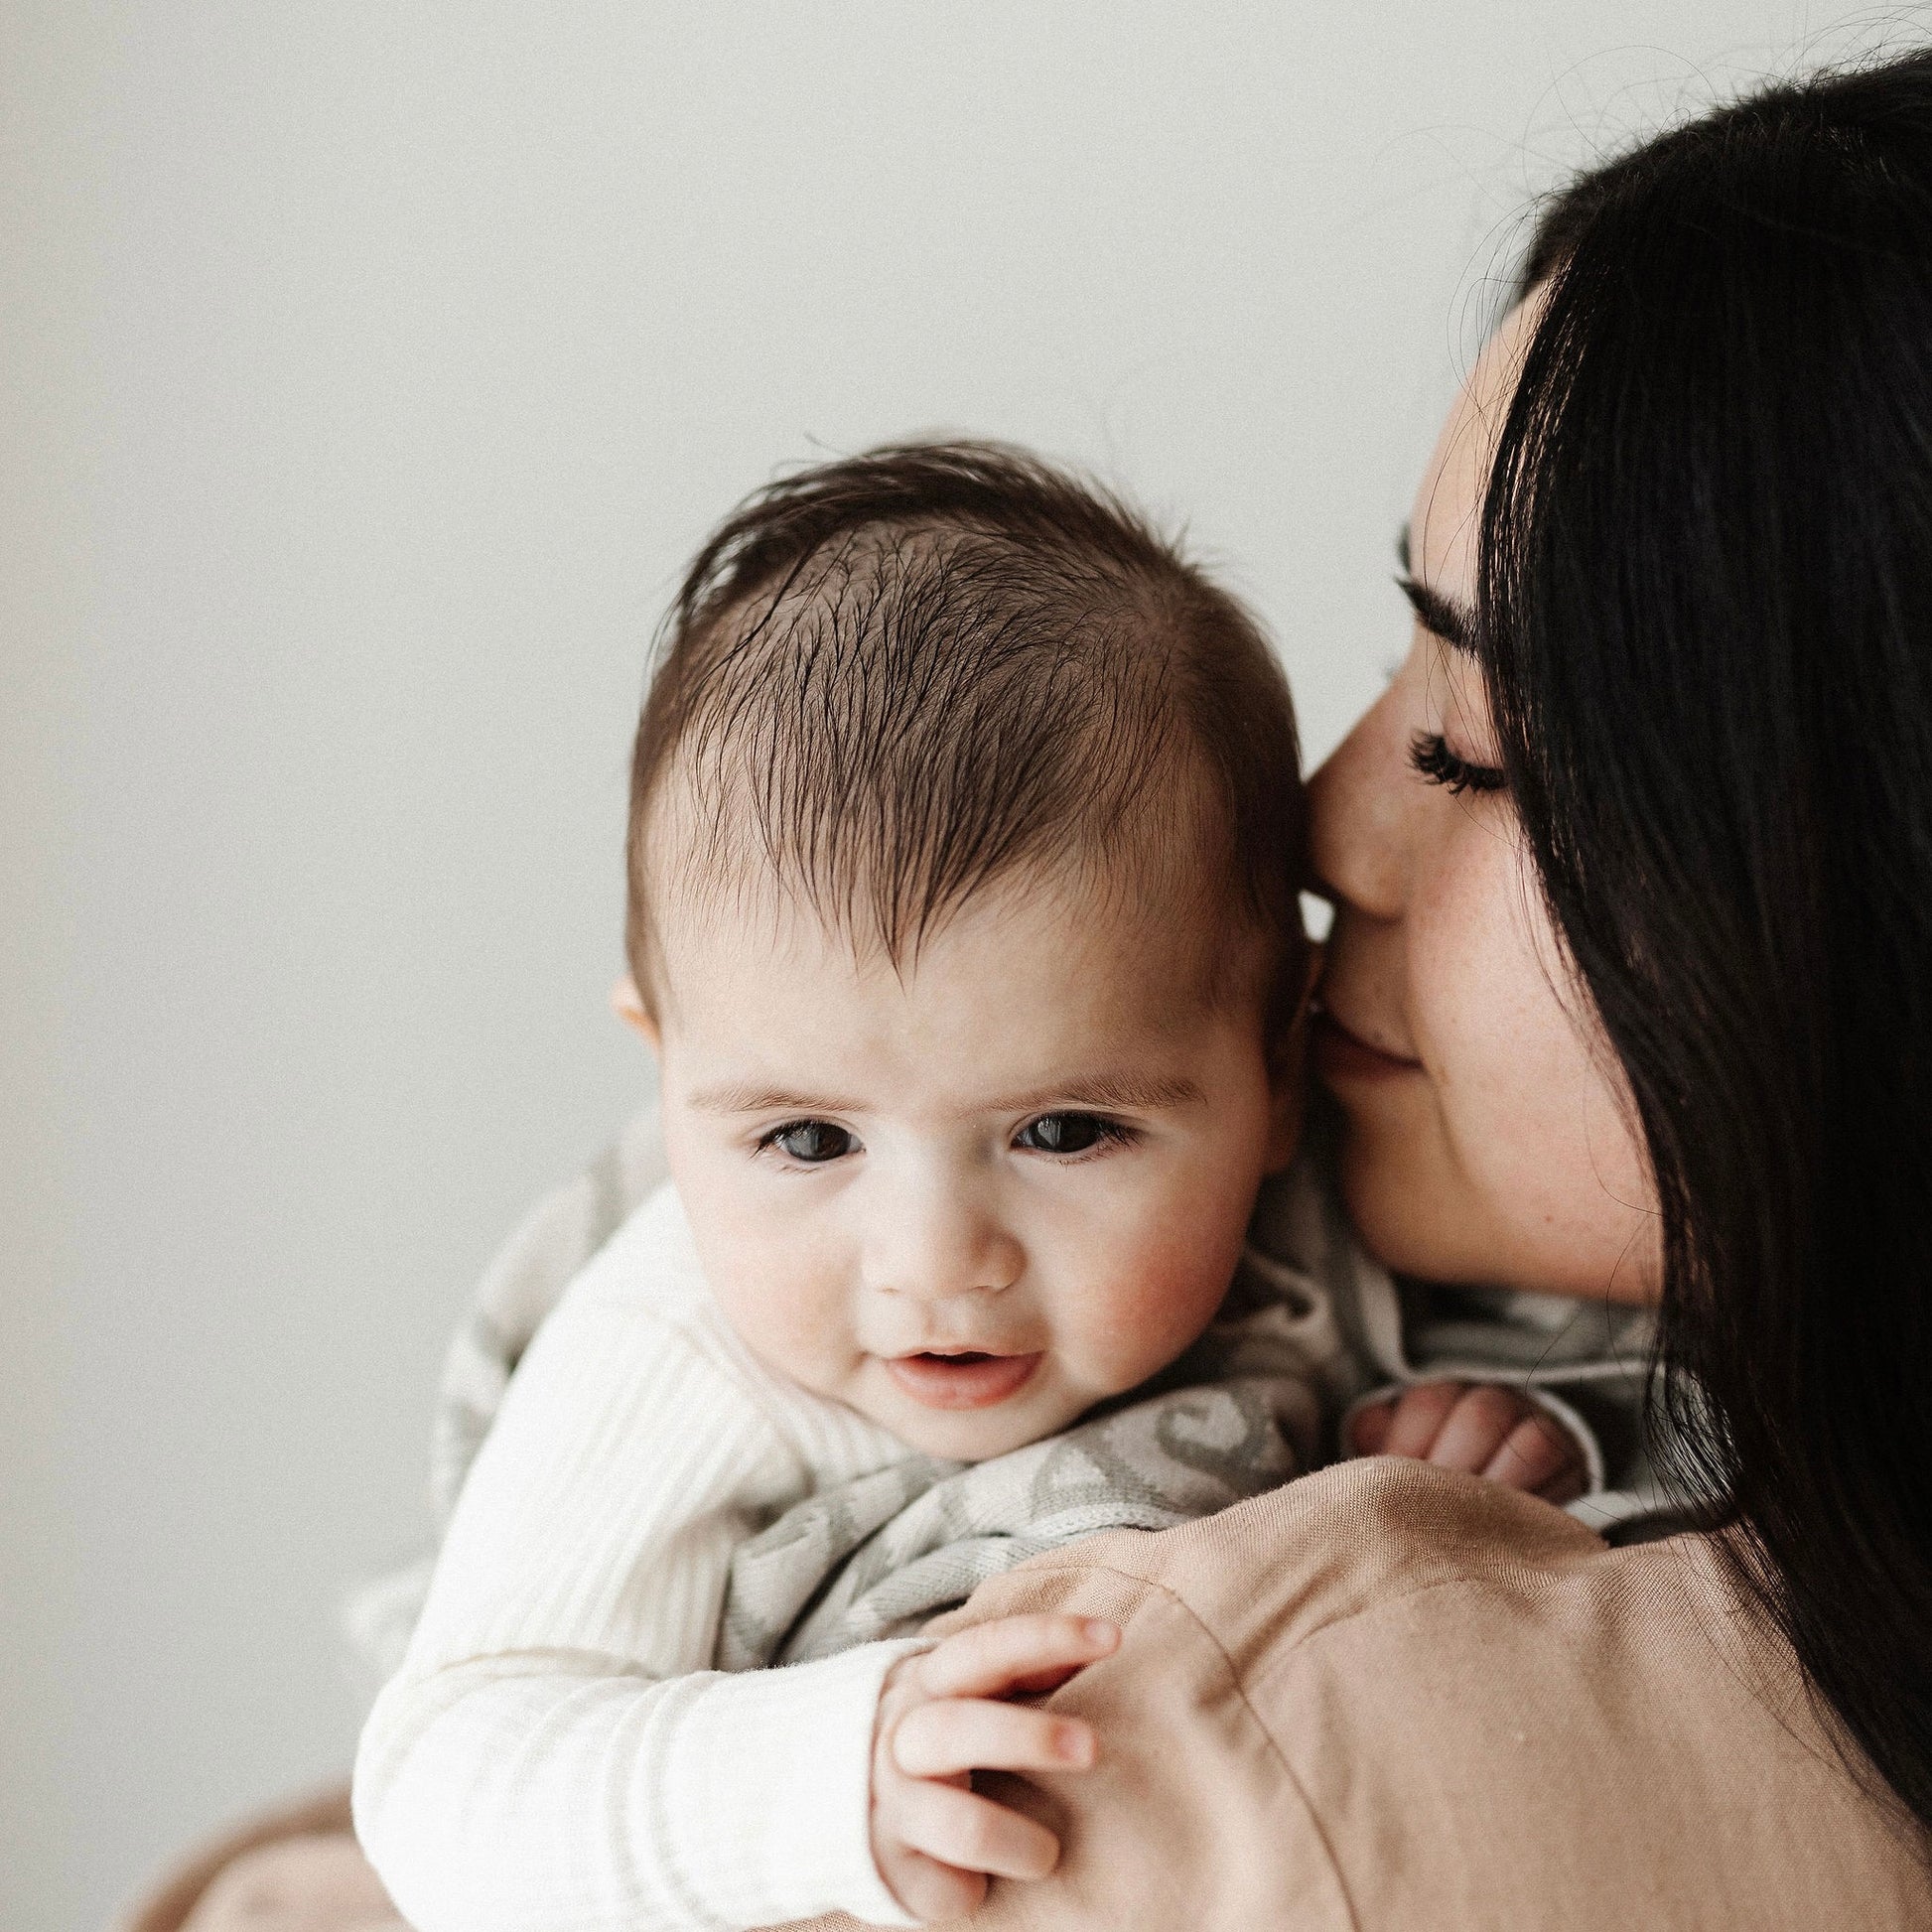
pixel 1393 1698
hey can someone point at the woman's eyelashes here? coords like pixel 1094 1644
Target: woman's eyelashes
pixel 811 1142
pixel 1072 1134
pixel 1430 755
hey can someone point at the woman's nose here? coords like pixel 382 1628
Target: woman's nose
pixel 1358 814
pixel 931 1240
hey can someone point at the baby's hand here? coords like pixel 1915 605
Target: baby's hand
pixel 940 1721
pixel 1486 1429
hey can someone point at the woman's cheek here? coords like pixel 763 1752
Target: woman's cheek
pixel 1485 1005
pixel 1532 1119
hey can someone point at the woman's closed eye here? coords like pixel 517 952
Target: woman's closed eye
pixel 1072 1134
pixel 811 1142
pixel 1430 755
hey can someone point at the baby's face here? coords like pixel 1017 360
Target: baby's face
pixel 972 1196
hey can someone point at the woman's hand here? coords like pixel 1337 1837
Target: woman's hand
pixel 1485 1429
pixel 941 1718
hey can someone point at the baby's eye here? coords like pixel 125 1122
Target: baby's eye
pixel 812 1142
pixel 1069 1133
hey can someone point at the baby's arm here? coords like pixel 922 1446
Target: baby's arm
pixel 1483 1428
pixel 551 1792
pixel 555 1753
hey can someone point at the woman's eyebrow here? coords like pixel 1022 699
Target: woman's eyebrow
pixel 1439 616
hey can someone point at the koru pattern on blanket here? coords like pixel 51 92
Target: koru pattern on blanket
pixel 880 1556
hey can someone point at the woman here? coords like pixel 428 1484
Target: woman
pixel 1628 998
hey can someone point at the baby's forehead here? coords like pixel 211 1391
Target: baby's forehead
pixel 1160 884
pixel 1080 966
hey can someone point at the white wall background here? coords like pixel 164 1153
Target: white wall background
pixel 367 371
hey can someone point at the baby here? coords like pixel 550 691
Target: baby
pixel 966 821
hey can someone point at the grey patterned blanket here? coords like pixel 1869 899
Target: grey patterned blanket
pixel 881 1556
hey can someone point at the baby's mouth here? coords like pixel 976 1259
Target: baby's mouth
pixel 962 1378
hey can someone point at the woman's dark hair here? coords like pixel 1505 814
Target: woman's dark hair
pixel 1706 612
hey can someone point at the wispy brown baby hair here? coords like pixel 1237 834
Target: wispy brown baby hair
pixel 892 680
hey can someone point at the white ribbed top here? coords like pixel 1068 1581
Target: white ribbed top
pixel 556 1754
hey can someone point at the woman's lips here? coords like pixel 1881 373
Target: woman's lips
pixel 1341 1055
pixel 963 1379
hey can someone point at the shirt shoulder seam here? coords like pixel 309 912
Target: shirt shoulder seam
pixel 1150 1585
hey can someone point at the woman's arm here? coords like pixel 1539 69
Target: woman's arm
pixel 1396 1696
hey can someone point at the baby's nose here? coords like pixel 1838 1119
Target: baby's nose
pixel 935 1245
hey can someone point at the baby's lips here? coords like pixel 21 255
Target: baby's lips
pixel 964 1381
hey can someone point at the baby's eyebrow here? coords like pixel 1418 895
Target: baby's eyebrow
pixel 1104 1093
pixel 745 1097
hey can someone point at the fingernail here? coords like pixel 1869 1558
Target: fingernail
pixel 1099 1633
pixel 1073 1745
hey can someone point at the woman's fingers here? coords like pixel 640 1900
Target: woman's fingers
pixel 1537 1451
pixel 949 1736
pixel 1566 1487
pixel 1476 1429
pixel 973 1834
pixel 1419 1417
pixel 1368 1431
pixel 1482 1429
pixel 1015 1653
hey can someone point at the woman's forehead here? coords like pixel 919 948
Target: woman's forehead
pixel 1445 526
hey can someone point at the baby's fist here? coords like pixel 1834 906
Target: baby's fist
pixel 1481 1426
pixel 941 1718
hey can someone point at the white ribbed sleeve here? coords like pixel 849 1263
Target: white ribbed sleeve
pixel 555 1753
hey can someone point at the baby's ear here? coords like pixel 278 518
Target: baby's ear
pixel 628 1005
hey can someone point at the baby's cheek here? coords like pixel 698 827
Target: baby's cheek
pixel 1156 1268
pixel 795 1323
pixel 1151 1306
